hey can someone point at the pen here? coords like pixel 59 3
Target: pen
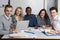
pixel 29 32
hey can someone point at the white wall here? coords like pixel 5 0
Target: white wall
pixel 59 7
pixel 36 5
pixel 1 11
pixel 2 2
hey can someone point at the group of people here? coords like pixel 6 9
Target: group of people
pixel 8 21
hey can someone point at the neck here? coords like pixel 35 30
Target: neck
pixel 7 15
pixel 16 15
pixel 42 17
pixel 54 16
pixel 28 15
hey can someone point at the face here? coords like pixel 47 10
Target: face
pixel 8 11
pixel 53 13
pixel 18 12
pixel 42 14
pixel 28 11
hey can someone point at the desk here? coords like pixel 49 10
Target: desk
pixel 38 33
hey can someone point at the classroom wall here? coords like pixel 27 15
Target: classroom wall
pixel 2 4
pixel 58 7
pixel 36 5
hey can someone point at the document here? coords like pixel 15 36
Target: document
pixel 25 34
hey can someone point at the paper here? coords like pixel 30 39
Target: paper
pixel 21 25
pixel 23 35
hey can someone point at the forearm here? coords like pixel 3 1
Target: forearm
pixel 4 32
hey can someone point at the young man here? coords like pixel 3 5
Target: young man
pixel 55 18
pixel 30 17
pixel 6 20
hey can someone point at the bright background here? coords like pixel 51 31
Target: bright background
pixel 36 5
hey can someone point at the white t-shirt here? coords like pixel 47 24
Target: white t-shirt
pixel 56 22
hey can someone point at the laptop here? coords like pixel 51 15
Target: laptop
pixel 21 25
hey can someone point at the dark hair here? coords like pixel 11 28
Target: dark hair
pixel 28 8
pixel 8 6
pixel 46 15
pixel 53 8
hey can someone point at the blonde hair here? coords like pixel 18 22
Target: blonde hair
pixel 20 17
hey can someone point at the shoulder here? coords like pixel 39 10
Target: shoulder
pixel 12 15
pixel 38 16
pixel 58 17
pixel 24 16
pixel 32 15
pixel 1 16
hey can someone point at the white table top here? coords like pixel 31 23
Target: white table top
pixel 38 34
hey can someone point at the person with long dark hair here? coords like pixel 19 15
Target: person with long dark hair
pixel 43 19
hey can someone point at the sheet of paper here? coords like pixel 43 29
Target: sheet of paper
pixel 23 35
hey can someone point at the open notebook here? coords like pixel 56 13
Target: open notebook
pixel 47 34
pixel 21 25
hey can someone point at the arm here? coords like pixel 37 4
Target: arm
pixel 14 21
pixel 48 22
pixel 2 31
pixel 38 21
pixel 35 21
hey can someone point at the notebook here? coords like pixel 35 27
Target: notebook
pixel 51 34
pixel 21 25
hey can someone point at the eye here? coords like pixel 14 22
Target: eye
pixel 7 10
pixel 11 11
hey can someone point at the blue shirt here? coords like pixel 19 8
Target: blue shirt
pixel 32 20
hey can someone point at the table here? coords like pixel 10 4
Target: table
pixel 38 33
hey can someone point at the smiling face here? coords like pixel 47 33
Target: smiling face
pixel 18 12
pixel 8 11
pixel 42 15
pixel 28 11
pixel 53 13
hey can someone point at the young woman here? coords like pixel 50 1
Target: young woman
pixel 18 15
pixel 43 19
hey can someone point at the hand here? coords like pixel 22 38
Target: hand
pixel 53 31
pixel 57 31
pixel 35 27
pixel 12 28
pixel 50 31
pixel 16 31
pixel 44 26
pixel 49 28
